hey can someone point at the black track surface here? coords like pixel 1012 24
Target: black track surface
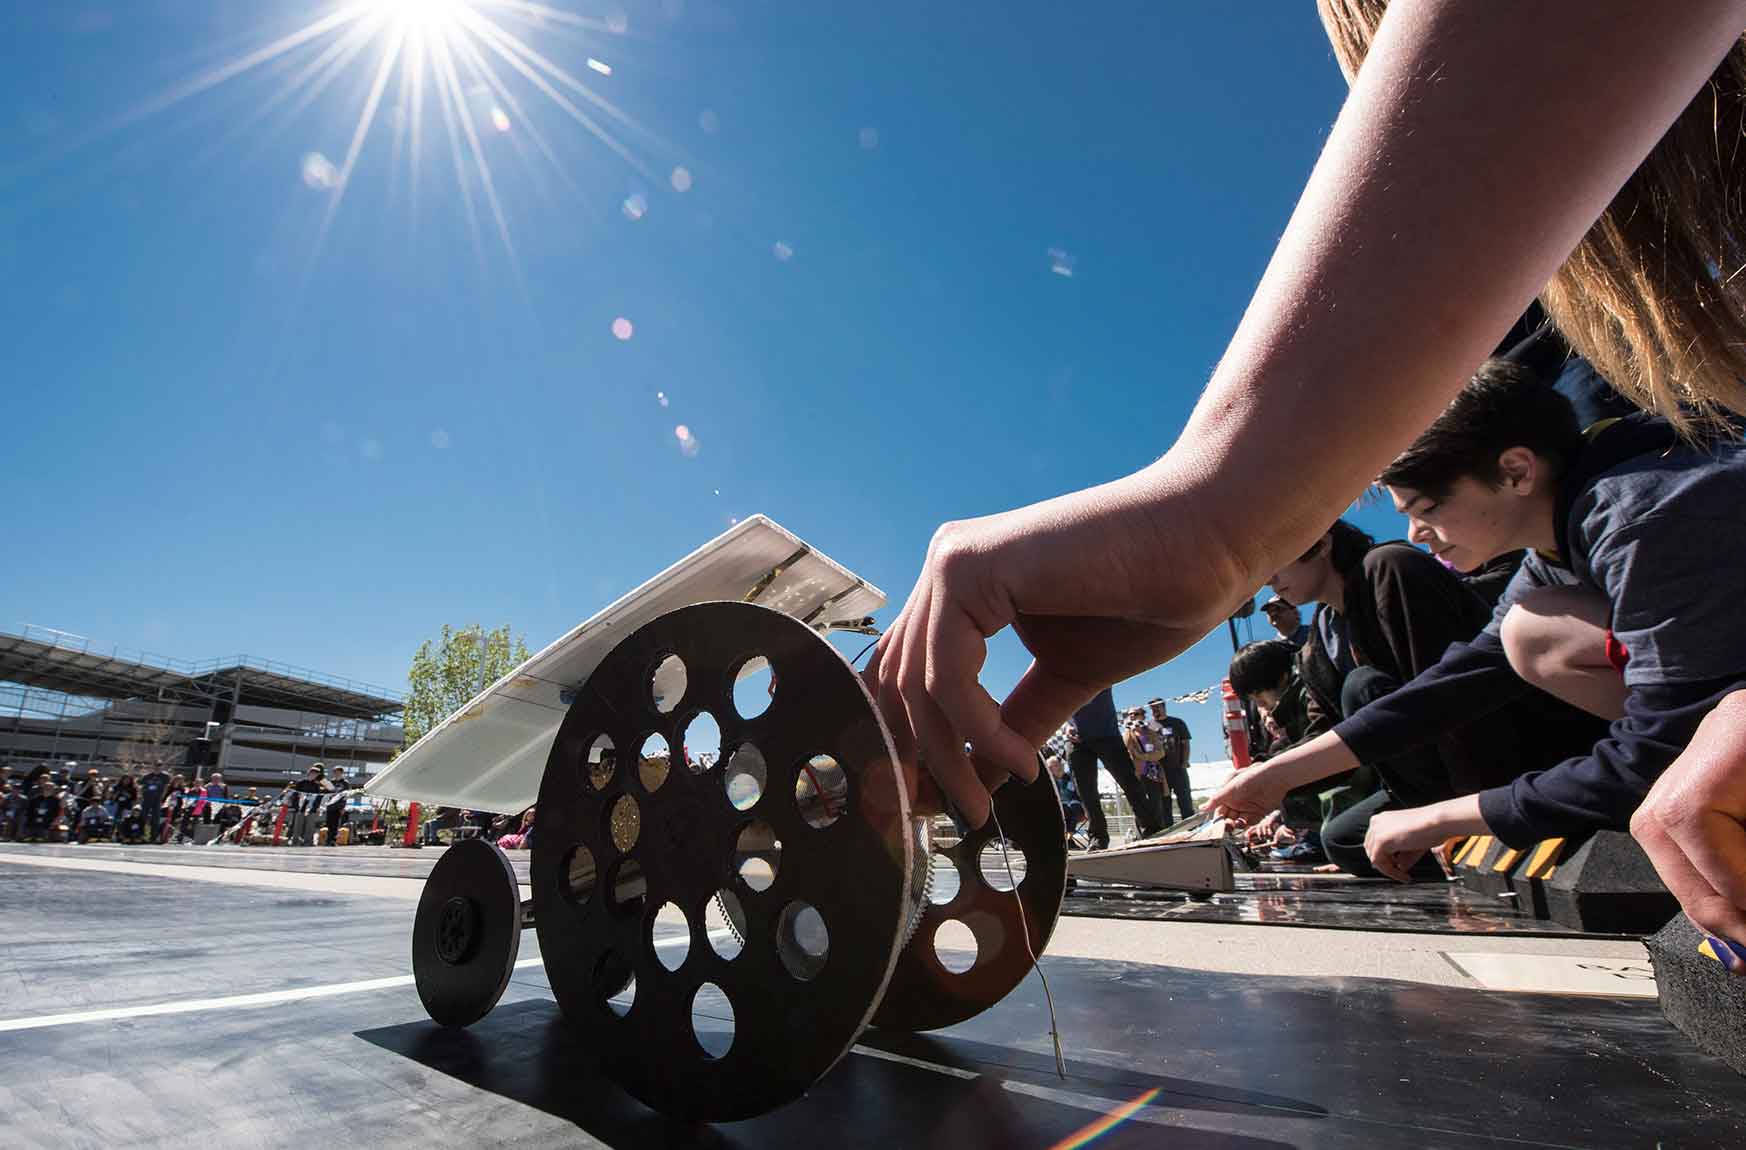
pixel 1237 1061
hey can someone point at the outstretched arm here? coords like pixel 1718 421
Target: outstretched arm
pixel 1459 175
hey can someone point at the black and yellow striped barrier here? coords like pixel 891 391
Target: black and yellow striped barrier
pixel 1485 865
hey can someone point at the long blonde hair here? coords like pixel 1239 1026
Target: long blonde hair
pixel 1655 294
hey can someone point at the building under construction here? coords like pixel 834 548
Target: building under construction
pixel 67 702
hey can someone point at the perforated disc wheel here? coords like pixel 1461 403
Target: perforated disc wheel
pixel 467 933
pixel 802 823
pixel 925 993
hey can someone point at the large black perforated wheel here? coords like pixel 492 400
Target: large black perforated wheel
pixel 800 831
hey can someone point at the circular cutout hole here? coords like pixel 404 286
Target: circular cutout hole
pixel 667 684
pixel 615 983
pixel 955 946
pixel 994 867
pixel 627 886
pixel 745 777
pixel 701 742
pixel 712 1021
pixel 671 949
pixel 802 940
pixel 821 790
pixel 602 762
pixel 754 687
pixel 757 855
pixel 724 923
pixel 578 875
pixel 624 823
pixel 654 761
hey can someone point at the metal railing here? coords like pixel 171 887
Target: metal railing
pixel 68 641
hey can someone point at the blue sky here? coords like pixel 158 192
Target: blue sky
pixel 229 432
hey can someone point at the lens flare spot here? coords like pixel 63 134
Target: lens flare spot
pixel 500 119
pixel 783 252
pixel 319 172
pixel 635 207
pixel 681 179
pixel 687 442
pixel 661 398
pixel 623 329
pixel 709 121
pixel 600 66
pixel 1061 262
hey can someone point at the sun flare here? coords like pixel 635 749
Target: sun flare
pixel 469 69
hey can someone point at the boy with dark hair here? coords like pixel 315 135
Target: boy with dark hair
pixel 1636 551
pixel 1265 673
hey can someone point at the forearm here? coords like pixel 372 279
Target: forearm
pixel 1319 758
pixel 1459 175
pixel 1459 816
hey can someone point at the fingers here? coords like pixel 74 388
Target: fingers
pixel 1041 701
pixel 1715 846
pixel 1385 857
pixel 957 648
pixel 1707 908
pixel 1234 801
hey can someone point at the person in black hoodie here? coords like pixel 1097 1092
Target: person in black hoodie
pixel 1635 536
pixel 1385 613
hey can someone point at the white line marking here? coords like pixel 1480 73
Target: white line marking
pixel 303 881
pixel 193 1005
pixel 1066 1097
pixel 920 1064
pixel 265 998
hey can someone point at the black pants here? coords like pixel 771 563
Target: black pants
pixel 335 814
pixel 1176 778
pixel 1143 796
pixel 152 810
pixel 1343 840
pixel 1414 779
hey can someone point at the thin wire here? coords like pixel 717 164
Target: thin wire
pixel 864 650
pixel 1025 929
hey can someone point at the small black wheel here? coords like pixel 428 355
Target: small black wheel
pixel 467 933
pixel 993 910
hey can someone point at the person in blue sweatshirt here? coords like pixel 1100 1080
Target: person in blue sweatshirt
pixel 1636 548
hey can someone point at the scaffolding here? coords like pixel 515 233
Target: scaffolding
pixel 68 702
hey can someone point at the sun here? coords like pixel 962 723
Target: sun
pixel 428 16
pixel 458 64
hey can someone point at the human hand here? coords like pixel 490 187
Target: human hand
pixel 1692 824
pixel 1251 796
pixel 1095 591
pixel 1398 839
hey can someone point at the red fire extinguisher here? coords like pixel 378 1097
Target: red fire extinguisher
pixel 1236 727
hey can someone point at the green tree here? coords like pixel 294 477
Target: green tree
pixel 446 673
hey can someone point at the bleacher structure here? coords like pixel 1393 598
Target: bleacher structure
pixel 66 700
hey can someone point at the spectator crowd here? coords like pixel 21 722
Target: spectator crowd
pixel 158 806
